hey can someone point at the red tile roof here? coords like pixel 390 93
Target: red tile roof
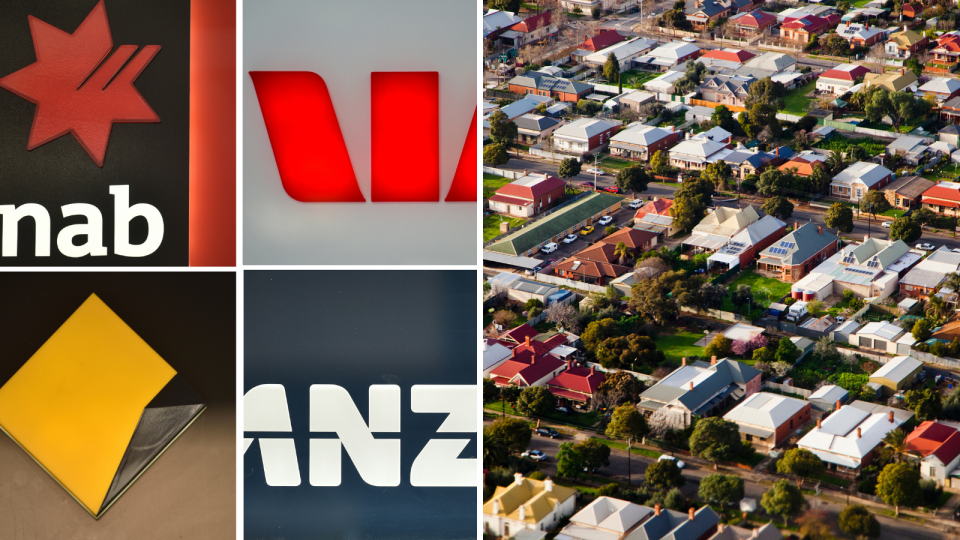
pixel 927 437
pixel 533 23
pixel 949 450
pixel 579 379
pixel 602 40
pixel 519 334
pixel 592 268
pixel 731 55
pixel 941 192
pixel 757 19
pixel 912 10
pixel 845 75
pixel 947 38
pixel 633 238
pixel 659 206
pixel 568 394
pixel 526 368
pixel 599 252
pixel 803 166
pixel 810 23
pixel 511 200
pixel 548 184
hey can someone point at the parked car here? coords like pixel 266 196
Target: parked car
pixel 925 246
pixel 535 455
pixel 548 432
pixel 612 189
pixel 534 270
pixel 563 410
pixel 586 230
pixel 549 248
pixel 955 250
pixel 569 239
pixel 605 220
pixel 586 184
pixel 594 171
pixel 679 463
pixel 689 40
pixel 636 203
pixel 886 224
pixel 841 319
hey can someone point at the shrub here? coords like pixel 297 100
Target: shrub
pixel 609 490
pixel 537 475
pixel 674 500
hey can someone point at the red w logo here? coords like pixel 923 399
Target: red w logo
pixel 312 155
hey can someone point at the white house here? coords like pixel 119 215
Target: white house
pixel 664 84
pixel 937 445
pixel 941 88
pixel 697 153
pixel 841 78
pixel 625 52
pixel 853 182
pixel 585 135
pixel 607 518
pixel 848 437
pixel 527 504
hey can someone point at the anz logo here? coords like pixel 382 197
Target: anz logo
pixel 332 410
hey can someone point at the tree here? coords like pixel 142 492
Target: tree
pixel 506 5
pixel 742 296
pixel 595 12
pixel 720 346
pixel 778 207
pixel 925 403
pixel 800 463
pixel 814 525
pixel 819 177
pixel 624 385
pixel 899 485
pixel 622 251
pixel 766 92
pixel 715 439
pixel 627 423
pixel 763 355
pixel 536 401
pixel 502 129
pixel 922 329
pixel 835 162
pixel 723 118
pixel 490 391
pixel 595 454
pixel 787 352
pixel 495 451
pixel 659 162
pixel 611 69
pixel 894 446
pixel 938 309
pixel 564 316
pixel 781 368
pixel 633 178
pixel 722 489
pixel 717 173
pixel 802 139
pixel 597 331
pixel 570 461
pixel 712 295
pixel 826 350
pixel 504 317
pixel 857 521
pixel 784 500
pixel 568 168
pixel 514 432
pixel 772 182
pixel 495 154
pixel 906 229
pixel 914 65
pixel 874 202
pixel 686 214
pixel 664 475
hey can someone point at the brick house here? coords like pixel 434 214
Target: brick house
pixel 596 265
pixel 947 50
pixel 602 40
pixel 800 29
pixel 767 420
pixel 907 191
pixel 539 84
pixel 853 182
pixel 637 240
pixel 840 79
pixel 641 142
pixel 860 34
pixel 525 368
pixel 743 247
pixel 585 136
pixel 925 278
pixel 576 385
pixel 528 195
pixel 753 23
pixel 943 198
pixel 529 30
pixel 797 253
pixel 905 44
pixel 726 89
pixel 912 9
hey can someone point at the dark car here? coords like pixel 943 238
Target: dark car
pixel 548 432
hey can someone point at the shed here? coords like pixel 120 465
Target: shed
pixel 907 305
pixel 804 345
pixel 843 332
pixel 896 374
pixel 825 399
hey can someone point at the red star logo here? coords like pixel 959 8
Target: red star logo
pixel 77 88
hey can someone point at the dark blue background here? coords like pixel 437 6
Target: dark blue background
pixel 355 329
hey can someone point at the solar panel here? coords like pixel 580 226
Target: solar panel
pixel 849 259
pixel 788 245
pixel 873 264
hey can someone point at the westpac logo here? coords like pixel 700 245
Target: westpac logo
pixel 377 460
pixel 312 155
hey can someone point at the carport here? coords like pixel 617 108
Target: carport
pixel 524 263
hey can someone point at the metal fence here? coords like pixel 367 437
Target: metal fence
pixel 789 389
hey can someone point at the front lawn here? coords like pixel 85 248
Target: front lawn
pixel 623 446
pixel 492 182
pixel 615 163
pixel 893 212
pixel 796 101
pixel 765 290
pixel 752 460
pixel 587 419
pixel 491 225
pixel 679 345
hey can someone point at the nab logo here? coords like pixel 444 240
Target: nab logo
pixel 377 460
pixel 312 155
pixel 77 88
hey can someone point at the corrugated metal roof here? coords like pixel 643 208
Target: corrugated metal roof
pixel 765 410
pixel 897 369
pixel 881 329
pixel 830 393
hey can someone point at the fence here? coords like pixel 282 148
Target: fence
pixel 578 285
pixel 844 126
pixel 536 150
pixel 498 94
pixel 640 376
pixel 872 356
pixel 714 105
pixel 934 359
pixel 788 117
pixel 716 314
pixel 513 175
pixel 788 389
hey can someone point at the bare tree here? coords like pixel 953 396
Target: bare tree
pixel 781 368
pixel 652 267
pixel 499 290
pixel 564 316
pixel 876 58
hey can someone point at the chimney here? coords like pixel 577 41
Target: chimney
pixel 656 509
pixel 865 238
pixel 839 405
pixel 523 512
pixel 518 479
pixel 720 527
pixel 820 229
pixel 569 364
pixel 533 359
pixel 683 361
pixel 818 424
pixel 713 360
pixel 891 417
pixel 859 433
pixel 592 370
pixel 526 341
pixel 866 25
pixel 692 512
pixel 672 128
pixel 496 506
pixel 691 385
pixel 513 352
pixel 777 151
pixel 686 135
pixel 902 71
pixel 796 225
pixel 548 485
pixel 524 172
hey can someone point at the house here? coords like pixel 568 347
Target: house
pixel 526 367
pixel 602 40
pixel 520 107
pixel 860 34
pixel 744 162
pixel 828 398
pixel 772 62
pixel 802 164
pixel 659 206
pixel 731 532
pixel 767 420
pixel 496 22
pixel 528 195
pixel 913 149
pixel 664 84
pixel 742 332
pixel 941 88
pixel 634 101
pixel 527 504
pixel 725 58
pixel 823 324
pixel 841 78
pixel 576 385
pixel 641 141
pixel 870 269
pixel 937 446
pixel 668 55
pixel 534 128
pixel 701 12
pixel 799 29
pixel 912 9
pixel 853 182
pixel 596 264
pixel 716 133
pixel 625 52
pixel 533 29
pixel 494 354
pixel 636 240
pixel 700 389
pixel 847 439
pixel 907 191
pixel 925 278
pixel 905 44
pixel 567 220
pixel 585 136
pixel 537 83
pixel 744 246
pixel 943 198
pixel 717 228
pixel 726 89
pixel 894 81
pixel 951 133
pixel 695 154
pixel 521 290
pixel 797 253
pixel 880 335
pixel 752 23
pixel 607 518
pixel 947 51
pixel 897 374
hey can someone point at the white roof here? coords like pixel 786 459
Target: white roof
pixel 881 329
pixel 641 134
pixel 850 31
pixel 665 80
pixel 611 514
pixel 726 258
pixel 742 331
pixel 771 61
pixel 786 77
pixel 759 230
pixel 494 354
pixel 622 50
pixel 848 327
pixel 584 128
pixel 836 441
pixel 942 260
pixel 697 147
pixel 674 50
pixel 716 133
pixel 941 85
pixel 638 96
pixel 495 20
pixel 765 410
pixel 868 173
pixel 831 393
pixel 519 108
pixel 898 368
pixel 943 146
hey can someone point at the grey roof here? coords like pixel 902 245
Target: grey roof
pixel 544 82
pixel 830 394
pixel 923 278
pixel 900 414
pixel 897 369
pixel 535 122
pixel 910 186
pixel 755 431
pixel 706 385
pixel 673 525
pixel 755 72
pixel 800 245
pixel 727 84
pixel 531 287
pixel 952 129
pixel 709 8
pixel 771 61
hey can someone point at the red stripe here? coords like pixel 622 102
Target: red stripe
pixel 464 187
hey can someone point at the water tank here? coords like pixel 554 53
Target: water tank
pixel 797 295
pixel 808 296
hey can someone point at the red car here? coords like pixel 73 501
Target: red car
pixel 586 184
pixel 612 189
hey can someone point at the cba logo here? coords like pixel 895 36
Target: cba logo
pixel 377 460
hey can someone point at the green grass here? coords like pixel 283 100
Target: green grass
pixel 491 225
pixel 635 79
pixel 758 283
pixel 752 460
pixel 586 419
pixel 949 171
pixel 623 446
pixel 834 480
pixel 905 128
pixel 492 182
pixel 679 345
pixel 795 102
pixel 893 212
pixel 615 163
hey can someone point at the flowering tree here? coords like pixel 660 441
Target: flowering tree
pixel 740 347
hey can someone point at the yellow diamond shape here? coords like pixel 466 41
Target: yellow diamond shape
pixel 74 406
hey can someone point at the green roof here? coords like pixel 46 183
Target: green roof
pixel 555 224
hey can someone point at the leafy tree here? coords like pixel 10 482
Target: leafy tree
pixel 490 391
pixel 624 385
pixel 709 434
pixel 874 202
pixel 922 329
pixel 723 118
pixel 839 217
pixel 763 116
pixel 620 351
pixel 568 168
pixel 764 355
pixel 835 161
pixel 595 454
pixel 721 347
pixel 906 229
pixel 925 403
pixel 536 401
pixel 807 123
pixel 495 451
pixel 595 12
pixel 597 331
pixel 502 129
pixel 787 352
pixel 674 500
pixel 899 485
pixel 814 525
pixel 495 154
pixel 686 213
pixel 742 296
pixel 611 69
pixel 857 521
pixel 766 92
pixel 712 295
pixel 664 475
pixel 784 499
pixel 514 432
pixel 506 5
pixel 588 107
pixel 649 298
pixel 894 446
pixel 914 65
pixel 722 489
pixel 633 178
pixel 778 207
pixel 570 461
pixel 819 177
pixel 717 173
pixel 772 182
pixel 626 422
pixel 938 309
pixel 800 463
pixel 659 162
pixel 541 108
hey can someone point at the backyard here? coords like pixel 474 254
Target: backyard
pixel 635 79
pixel 842 144
pixel 492 182
pixel 679 345
pixel 491 224
pixel 943 171
pixel 586 419
pixel 796 101
pixel 765 290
